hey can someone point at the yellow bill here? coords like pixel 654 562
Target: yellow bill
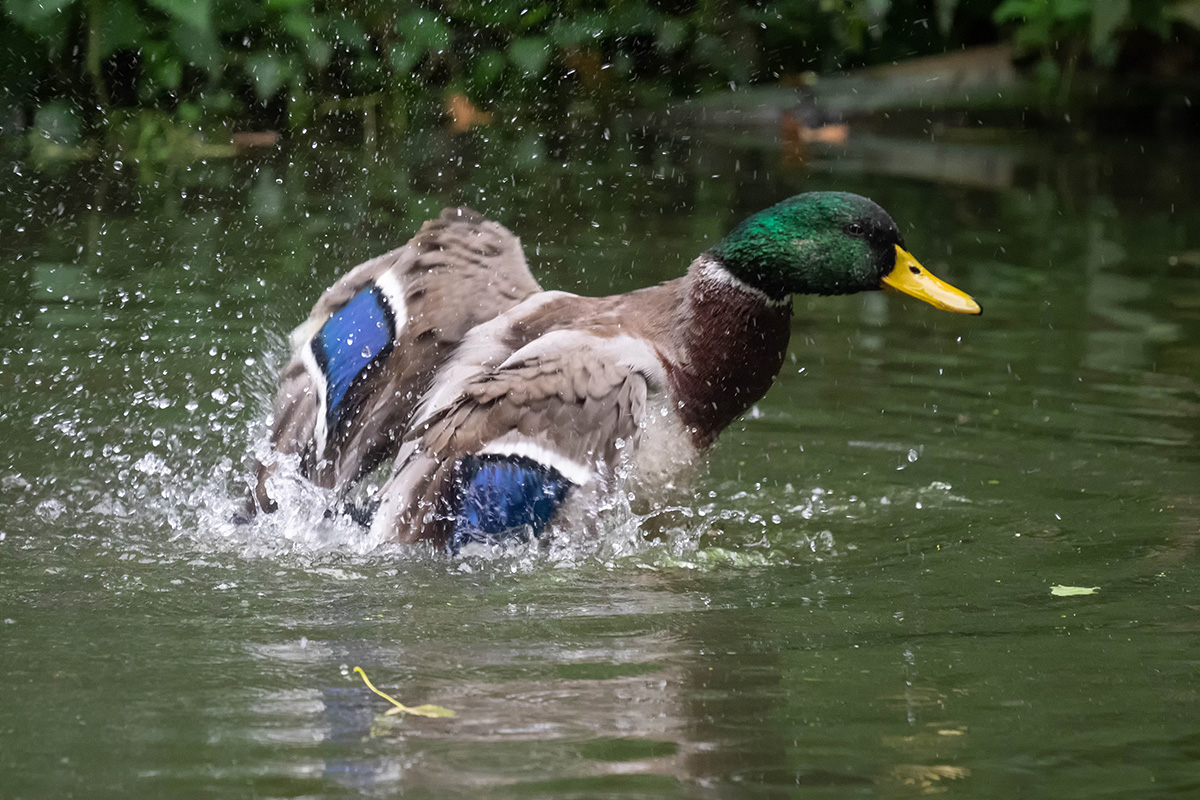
pixel 910 277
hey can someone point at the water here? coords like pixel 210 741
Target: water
pixel 856 603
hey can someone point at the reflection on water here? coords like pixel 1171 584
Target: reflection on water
pixel 856 602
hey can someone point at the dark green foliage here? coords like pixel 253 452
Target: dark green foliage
pixel 125 67
pixel 1060 34
pixel 281 63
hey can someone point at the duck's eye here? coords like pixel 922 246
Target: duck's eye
pixel 856 229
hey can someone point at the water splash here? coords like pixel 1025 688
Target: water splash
pixel 165 476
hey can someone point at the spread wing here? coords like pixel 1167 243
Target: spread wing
pixel 553 419
pixel 367 353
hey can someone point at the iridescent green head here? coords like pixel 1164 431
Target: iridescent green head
pixel 830 243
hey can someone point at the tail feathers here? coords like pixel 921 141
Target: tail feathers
pixel 501 496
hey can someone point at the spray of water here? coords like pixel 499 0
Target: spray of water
pixel 165 476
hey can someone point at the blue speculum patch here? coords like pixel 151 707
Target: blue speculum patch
pixel 348 343
pixel 501 496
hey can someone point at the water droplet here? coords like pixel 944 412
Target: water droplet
pixel 50 509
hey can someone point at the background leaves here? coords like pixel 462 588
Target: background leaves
pixel 278 64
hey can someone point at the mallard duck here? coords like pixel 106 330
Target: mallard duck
pixel 506 410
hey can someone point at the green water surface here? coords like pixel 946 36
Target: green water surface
pixel 856 603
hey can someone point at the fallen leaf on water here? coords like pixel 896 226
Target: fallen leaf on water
pixel 1072 591
pixel 427 710
pixel 928 777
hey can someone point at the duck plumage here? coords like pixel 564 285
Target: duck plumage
pixel 391 350
pixel 507 409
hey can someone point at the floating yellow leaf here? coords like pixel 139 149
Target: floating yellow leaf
pixel 1072 591
pixel 427 710
pixel 928 777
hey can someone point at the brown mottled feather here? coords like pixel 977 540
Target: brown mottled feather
pixel 578 378
pixel 486 359
pixel 459 271
pixel 542 400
